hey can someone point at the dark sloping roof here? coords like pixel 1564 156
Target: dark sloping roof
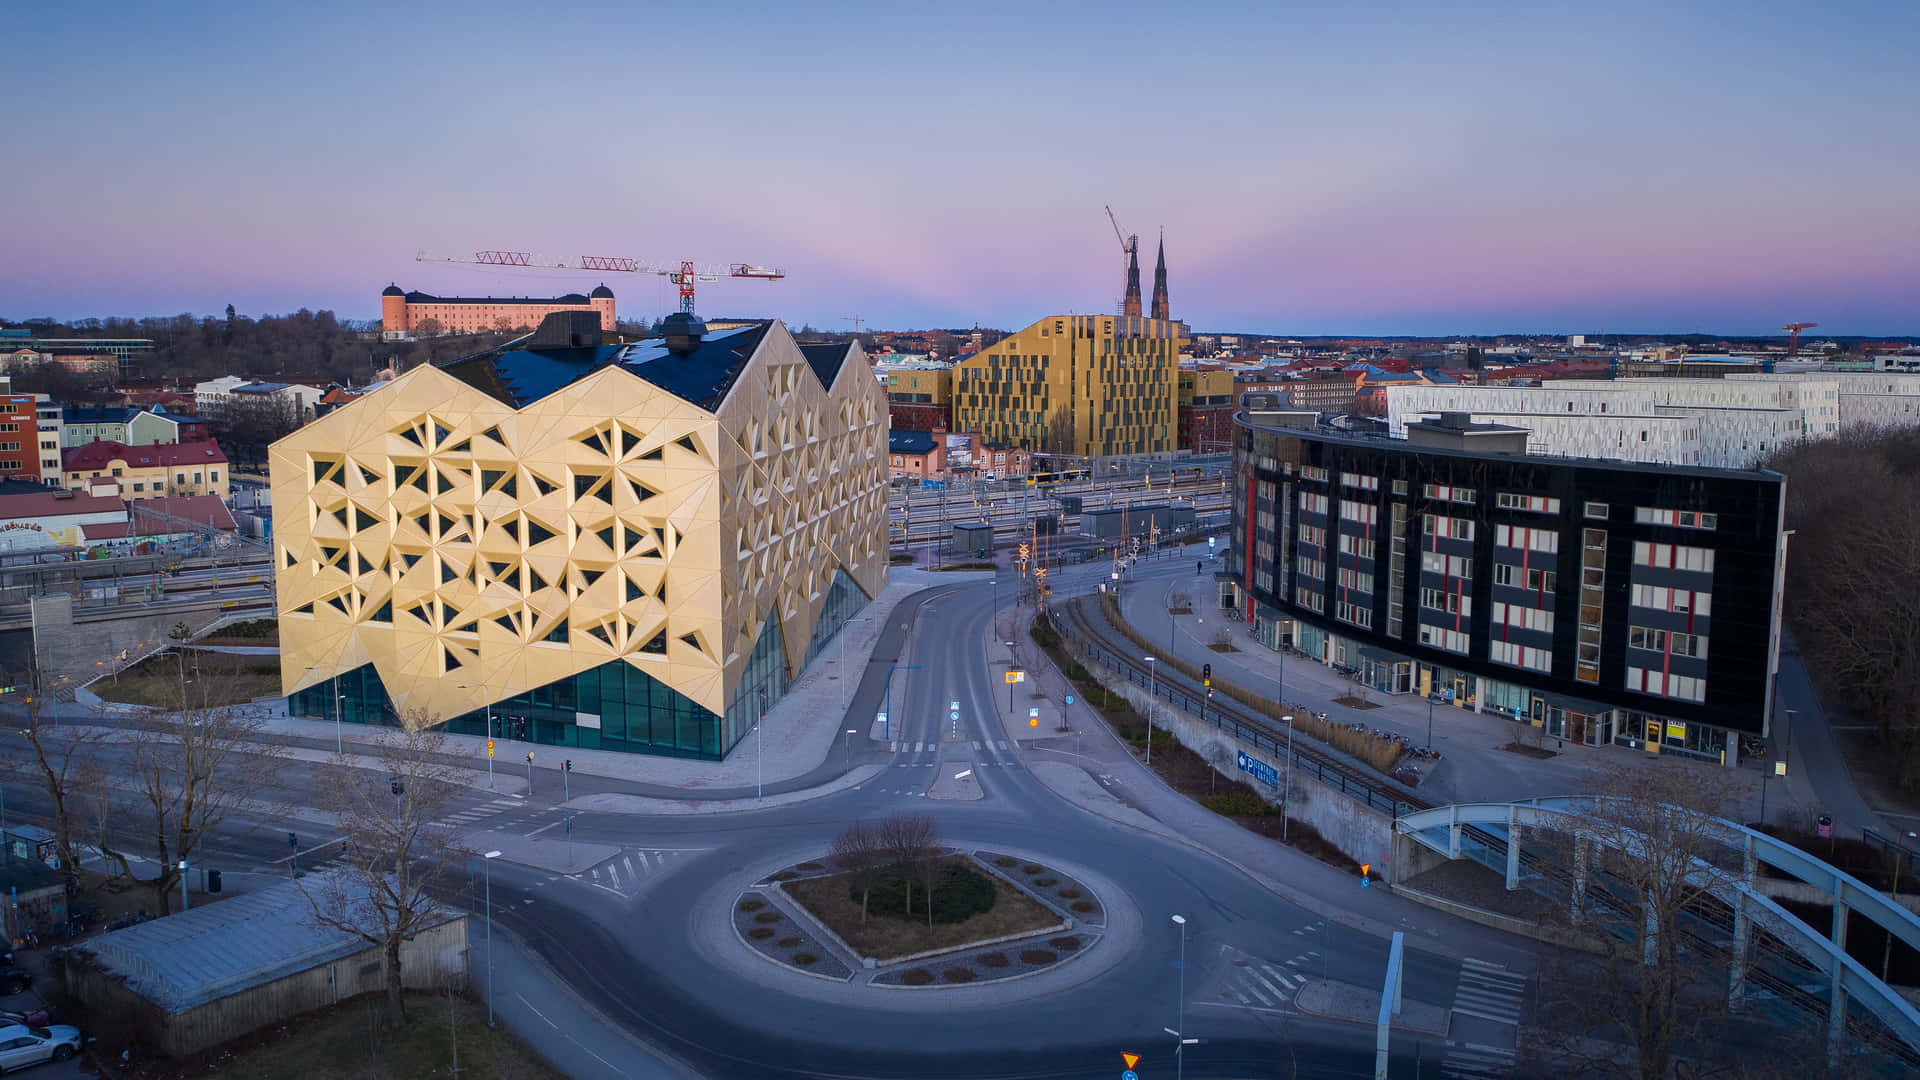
pixel 825 360
pixel 520 375
pixel 910 442
pixel 429 298
pixel 704 375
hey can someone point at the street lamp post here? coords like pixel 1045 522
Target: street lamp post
pixel 1286 797
pixel 1886 953
pixel 486 866
pixel 1180 1005
pixel 339 706
pixel 1429 721
pixel 760 759
pixel 1150 704
pixel 184 904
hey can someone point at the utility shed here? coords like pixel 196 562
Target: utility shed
pixel 972 537
pixel 210 975
pixel 1136 520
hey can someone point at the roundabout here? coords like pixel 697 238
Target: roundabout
pixel 1037 917
pixel 709 961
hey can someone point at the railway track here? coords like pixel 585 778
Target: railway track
pixel 1257 730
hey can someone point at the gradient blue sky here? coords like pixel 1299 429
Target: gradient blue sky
pixel 1387 168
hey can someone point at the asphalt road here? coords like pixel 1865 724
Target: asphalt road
pixel 643 954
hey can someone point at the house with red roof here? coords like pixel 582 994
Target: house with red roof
pixel 147 472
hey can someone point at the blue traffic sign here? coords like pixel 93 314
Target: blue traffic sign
pixel 1258 769
pixel 1129 1075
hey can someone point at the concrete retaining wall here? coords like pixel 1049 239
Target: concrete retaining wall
pixel 1360 832
pixel 84 651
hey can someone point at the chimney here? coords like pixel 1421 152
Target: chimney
pixel 682 332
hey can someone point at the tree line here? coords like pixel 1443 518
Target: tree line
pixel 1853 503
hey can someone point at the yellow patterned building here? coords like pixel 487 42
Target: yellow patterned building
pixel 1075 384
pixel 632 547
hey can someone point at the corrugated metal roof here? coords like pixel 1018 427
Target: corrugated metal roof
pixel 187 960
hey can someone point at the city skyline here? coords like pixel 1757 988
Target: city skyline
pixel 1723 169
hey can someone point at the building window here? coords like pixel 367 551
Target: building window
pixel 1682 519
pixel 1357 546
pixel 1356 579
pixel 1597 510
pixel 1456 528
pixel 1526 618
pixel 1522 656
pixel 1536 504
pixel 1445 493
pixel 1442 638
pixel 1515 536
pixel 1361 481
pixel 1672 643
pixel 1361 512
pixel 1661 598
pixel 1673 557
pixel 1313 472
pixel 1523 578
pixel 1353 613
pixel 1683 687
pixel 1451 565
pixel 1453 603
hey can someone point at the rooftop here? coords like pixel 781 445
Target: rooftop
pixel 910 442
pixel 96 455
pixel 52 502
pixel 521 376
pixel 210 952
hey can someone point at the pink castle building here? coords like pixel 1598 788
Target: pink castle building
pixel 403 312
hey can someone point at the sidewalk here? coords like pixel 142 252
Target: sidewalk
pixel 1473 768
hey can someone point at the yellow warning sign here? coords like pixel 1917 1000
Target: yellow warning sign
pixel 1130 1059
pixel 489 747
pixel 1033 721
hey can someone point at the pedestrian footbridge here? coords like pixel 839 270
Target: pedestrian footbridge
pixel 1596 854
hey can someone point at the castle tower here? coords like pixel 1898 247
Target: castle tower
pixel 602 302
pixel 393 309
pixel 1160 283
pixel 1131 306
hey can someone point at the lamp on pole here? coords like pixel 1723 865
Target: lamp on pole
pixel 1150 704
pixel 486 866
pixel 183 885
pixel 1886 954
pixel 1180 1042
pixel 1286 797
pixel 759 759
pixel 1429 721
pixel 339 706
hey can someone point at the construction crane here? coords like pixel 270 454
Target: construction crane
pixel 1129 265
pixel 856 320
pixel 1129 244
pixel 1793 335
pixel 685 275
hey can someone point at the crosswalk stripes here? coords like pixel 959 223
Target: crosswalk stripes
pixel 624 874
pixel 1259 984
pixel 489 809
pixel 1473 1061
pixel 1489 991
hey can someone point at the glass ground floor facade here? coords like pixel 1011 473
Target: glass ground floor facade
pixel 1563 718
pixel 615 706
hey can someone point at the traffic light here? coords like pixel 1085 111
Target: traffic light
pixel 529 757
pixel 293 842
pixel 569 764
pixel 396 787
pixel 1206 674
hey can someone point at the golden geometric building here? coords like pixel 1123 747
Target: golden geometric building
pixel 631 547
pixel 1075 384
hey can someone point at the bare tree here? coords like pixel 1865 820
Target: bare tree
pixel 910 842
pixel 396 853
pixel 857 852
pixel 63 766
pixel 181 773
pixel 1643 862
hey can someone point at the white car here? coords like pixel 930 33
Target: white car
pixel 21 1046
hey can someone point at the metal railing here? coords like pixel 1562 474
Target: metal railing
pixel 1262 734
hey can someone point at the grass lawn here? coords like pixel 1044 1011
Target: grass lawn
pixel 346 1042
pixel 881 935
pixel 213 679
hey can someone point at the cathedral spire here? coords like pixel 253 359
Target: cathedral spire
pixel 1160 282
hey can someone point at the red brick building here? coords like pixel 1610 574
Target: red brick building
pixel 403 312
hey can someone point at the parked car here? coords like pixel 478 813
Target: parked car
pixel 21 1046
pixel 34 1017
pixel 13 980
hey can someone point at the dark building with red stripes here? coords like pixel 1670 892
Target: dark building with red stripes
pixel 1602 601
